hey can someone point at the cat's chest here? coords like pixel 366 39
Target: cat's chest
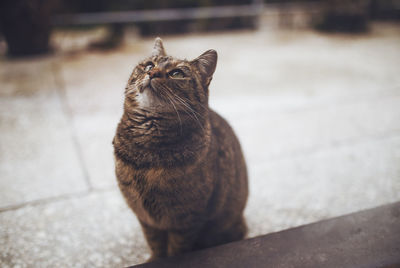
pixel 167 208
pixel 142 199
pixel 160 199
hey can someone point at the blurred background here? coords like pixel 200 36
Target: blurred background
pixel 312 89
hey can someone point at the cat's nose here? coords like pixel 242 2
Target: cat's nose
pixel 155 72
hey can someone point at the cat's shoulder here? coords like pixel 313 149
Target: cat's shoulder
pixel 219 124
pixel 215 117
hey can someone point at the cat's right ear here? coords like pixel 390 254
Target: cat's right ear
pixel 206 64
pixel 158 49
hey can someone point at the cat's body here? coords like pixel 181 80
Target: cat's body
pixel 178 163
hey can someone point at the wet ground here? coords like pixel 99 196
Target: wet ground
pixel 318 117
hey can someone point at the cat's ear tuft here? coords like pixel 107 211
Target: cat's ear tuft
pixel 158 49
pixel 206 64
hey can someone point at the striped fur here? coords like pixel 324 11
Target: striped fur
pixel 178 163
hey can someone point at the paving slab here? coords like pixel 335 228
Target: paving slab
pixel 94 86
pixel 323 184
pixel 95 230
pixel 267 132
pixel 38 158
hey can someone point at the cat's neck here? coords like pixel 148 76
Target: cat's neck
pixel 147 139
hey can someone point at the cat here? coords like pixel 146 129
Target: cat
pixel 178 163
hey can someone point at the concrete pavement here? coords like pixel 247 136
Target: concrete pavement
pixel 318 117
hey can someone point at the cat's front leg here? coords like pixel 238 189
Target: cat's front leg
pixel 181 241
pixel 157 241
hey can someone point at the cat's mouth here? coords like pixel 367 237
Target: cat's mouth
pixel 144 85
pixel 149 94
pixel 150 85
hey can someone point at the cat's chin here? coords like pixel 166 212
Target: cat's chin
pixel 144 99
pixel 149 101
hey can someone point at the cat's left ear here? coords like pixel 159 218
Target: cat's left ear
pixel 206 64
pixel 158 49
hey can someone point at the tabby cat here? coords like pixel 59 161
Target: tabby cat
pixel 178 163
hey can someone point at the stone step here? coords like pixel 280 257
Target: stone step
pixel 369 238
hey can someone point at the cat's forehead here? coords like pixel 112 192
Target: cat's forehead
pixel 166 61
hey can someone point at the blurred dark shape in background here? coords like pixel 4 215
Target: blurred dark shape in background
pixel 180 25
pixel 384 9
pixel 112 40
pixel 344 16
pixel 211 24
pixel 26 24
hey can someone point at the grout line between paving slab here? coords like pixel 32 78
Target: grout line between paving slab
pixel 61 92
pixel 49 200
pixel 349 142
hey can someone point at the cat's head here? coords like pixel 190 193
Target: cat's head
pixel 162 83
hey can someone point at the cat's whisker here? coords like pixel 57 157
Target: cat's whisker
pixel 193 116
pixel 192 113
pixel 130 91
pixel 188 106
pixel 165 94
pixel 191 110
pixel 186 100
pixel 203 106
pixel 176 110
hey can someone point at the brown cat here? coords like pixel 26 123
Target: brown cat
pixel 178 163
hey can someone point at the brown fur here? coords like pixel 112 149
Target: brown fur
pixel 178 163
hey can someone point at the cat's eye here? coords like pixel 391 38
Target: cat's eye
pixel 149 66
pixel 176 74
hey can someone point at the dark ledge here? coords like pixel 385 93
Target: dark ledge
pixel 368 238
